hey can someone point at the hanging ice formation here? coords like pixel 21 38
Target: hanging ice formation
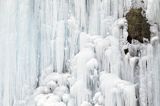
pixel 76 53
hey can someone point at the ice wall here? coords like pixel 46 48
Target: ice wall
pixel 18 55
pixel 71 53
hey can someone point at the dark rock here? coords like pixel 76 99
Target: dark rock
pixel 138 27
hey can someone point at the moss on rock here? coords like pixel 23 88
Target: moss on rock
pixel 138 28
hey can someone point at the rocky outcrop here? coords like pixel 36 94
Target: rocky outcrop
pixel 138 28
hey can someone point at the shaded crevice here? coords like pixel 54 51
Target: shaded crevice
pixel 126 51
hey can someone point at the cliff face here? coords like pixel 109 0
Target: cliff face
pixel 79 53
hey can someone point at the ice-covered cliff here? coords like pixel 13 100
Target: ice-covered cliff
pixel 76 53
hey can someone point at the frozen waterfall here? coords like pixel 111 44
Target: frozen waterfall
pixel 76 53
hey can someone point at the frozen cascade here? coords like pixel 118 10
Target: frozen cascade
pixel 71 53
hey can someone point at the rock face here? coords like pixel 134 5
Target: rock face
pixel 138 28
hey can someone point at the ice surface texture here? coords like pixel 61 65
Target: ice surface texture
pixel 71 53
